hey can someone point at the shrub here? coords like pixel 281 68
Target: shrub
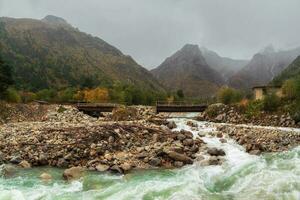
pixel 271 102
pixel 228 95
pixel 254 108
pixel 12 96
pixel 289 89
pixel 27 97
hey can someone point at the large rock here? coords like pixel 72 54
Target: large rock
pixel 73 173
pixel 45 176
pixel 102 167
pixel 171 125
pixel 216 152
pixel 25 164
pixel 179 157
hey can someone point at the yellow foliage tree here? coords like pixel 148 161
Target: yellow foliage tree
pixel 97 95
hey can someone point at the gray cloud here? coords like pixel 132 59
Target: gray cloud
pixel 151 30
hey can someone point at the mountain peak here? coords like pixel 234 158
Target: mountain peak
pixel 55 20
pixel 268 50
pixel 191 48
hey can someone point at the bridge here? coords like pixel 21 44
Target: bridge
pixel 95 109
pixel 179 107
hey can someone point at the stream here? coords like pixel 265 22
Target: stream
pixel 241 176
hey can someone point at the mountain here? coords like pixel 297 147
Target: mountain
pixel 263 67
pixel 292 71
pixel 50 53
pixel 187 70
pixel 227 67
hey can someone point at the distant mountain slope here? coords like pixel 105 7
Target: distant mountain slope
pixel 188 70
pixel 50 53
pixel 227 67
pixel 263 68
pixel 292 71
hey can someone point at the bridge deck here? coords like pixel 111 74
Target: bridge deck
pixel 99 107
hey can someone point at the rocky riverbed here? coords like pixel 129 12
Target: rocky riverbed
pixel 221 113
pixel 65 137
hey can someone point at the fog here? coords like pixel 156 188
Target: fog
pixel 151 30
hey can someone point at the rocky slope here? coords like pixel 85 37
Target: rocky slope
pixel 187 70
pixel 227 67
pixel 263 67
pixel 50 53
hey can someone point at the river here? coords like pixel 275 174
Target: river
pixel 241 176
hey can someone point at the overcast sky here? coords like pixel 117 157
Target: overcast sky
pixel 151 30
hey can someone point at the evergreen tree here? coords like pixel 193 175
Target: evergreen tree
pixel 5 77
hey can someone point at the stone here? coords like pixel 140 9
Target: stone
pixel 180 137
pixel 62 163
pixel 102 167
pixel 155 162
pixel 73 173
pixel 213 160
pixel 171 125
pixel 216 152
pixel 222 140
pixel 255 152
pixel 8 170
pixel 188 142
pixel 15 160
pixel 45 176
pixel 191 124
pixel 126 167
pixel 116 169
pixel 179 157
pixel 178 164
pixel 25 164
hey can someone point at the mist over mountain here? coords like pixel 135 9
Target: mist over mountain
pixel 50 53
pixel 227 67
pixel 187 70
pixel 263 67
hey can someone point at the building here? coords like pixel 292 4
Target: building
pixel 261 91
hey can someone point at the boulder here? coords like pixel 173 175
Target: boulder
pixel 126 167
pixel 15 160
pixel 192 124
pixel 8 170
pixel 45 176
pixel 155 161
pixel 179 157
pixel 25 164
pixel 73 173
pixel 102 168
pixel 216 152
pixel 171 125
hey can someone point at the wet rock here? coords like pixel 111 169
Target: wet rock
pixel 116 169
pixel 8 171
pixel 62 163
pixel 222 140
pixel 255 152
pixel 171 125
pixel 192 124
pixel 45 176
pixel 73 173
pixel 126 167
pixel 155 162
pixel 178 164
pixel 179 157
pixel 15 160
pixel 25 164
pixel 216 152
pixel 102 167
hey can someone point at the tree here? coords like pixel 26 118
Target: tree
pixel 180 94
pixel 228 95
pixel 289 89
pixel 5 77
pixel 96 95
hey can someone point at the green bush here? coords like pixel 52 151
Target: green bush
pixel 12 96
pixel 254 108
pixel 289 89
pixel 271 102
pixel 228 95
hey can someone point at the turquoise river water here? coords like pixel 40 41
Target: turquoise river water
pixel 241 176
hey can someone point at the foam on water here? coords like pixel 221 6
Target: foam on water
pixel 241 176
